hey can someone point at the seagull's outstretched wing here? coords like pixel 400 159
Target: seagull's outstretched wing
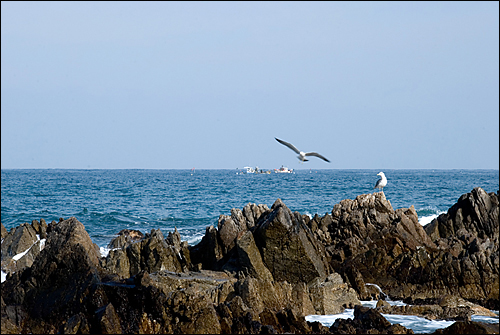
pixel 317 155
pixel 291 146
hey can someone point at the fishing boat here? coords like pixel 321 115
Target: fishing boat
pixel 283 169
pixel 249 169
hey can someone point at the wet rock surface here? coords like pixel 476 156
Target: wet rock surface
pixel 259 271
pixel 368 242
pixel 367 321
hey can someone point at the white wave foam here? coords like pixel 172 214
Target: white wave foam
pixel 195 239
pixel 416 323
pixel 105 251
pixel 483 318
pixel 424 220
pixel 4 276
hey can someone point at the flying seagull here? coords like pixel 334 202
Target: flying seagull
pixel 381 182
pixel 302 155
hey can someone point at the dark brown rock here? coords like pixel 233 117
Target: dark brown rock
pixel 330 294
pixel 250 259
pixel 3 231
pixel 469 327
pixel 373 244
pixel 292 322
pixel 268 317
pixel 367 321
pixel 208 252
pixel 152 253
pixel 77 324
pixel 52 288
pixel 475 213
pixel 432 312
pixel 125 237
pixel 468 258
pixel 117 262
pixel 18 240
pixel 278 266
pixel 157 255
pixel 20 247
pixel 253 214
pixel 288 248
pixel 195 314
pixel 108 320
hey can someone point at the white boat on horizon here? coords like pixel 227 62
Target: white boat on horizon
pixel 249 169
pixel 283 169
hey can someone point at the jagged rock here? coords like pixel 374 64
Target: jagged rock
pixel 292 322
pixel 40 228
pixel 469 327
pixel 288 248
pixel 215 285
pixel 18 240
pixel 76 324
pixel 468 259
pixel 51 289
pixel 269 318
pixel 125 237
pixel 229 228
pixel 150 254
pixel 195 314
pixel 475 213
pixel 357 224
pixel 278 267
pixel 367 321
pixel 208 252
pixel 330 294
pixel 357 282
pixel 157 255
pixel 20 261
pixel 431 312
pixel 174 239
pixel 382 304
pixel 253 213
pixel 238 307
pixel 108 320
pixel 372 243
pixel 225 318
pixel 227 232
pixel 249 258
pixel 318 328
pixel 3 231
pixel 117 262
pixel 258 294
pixel 301 299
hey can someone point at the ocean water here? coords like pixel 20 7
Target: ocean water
pixel 107 201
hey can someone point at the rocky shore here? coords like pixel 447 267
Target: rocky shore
pixel 259 271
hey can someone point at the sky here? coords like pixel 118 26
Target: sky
pixel 210 85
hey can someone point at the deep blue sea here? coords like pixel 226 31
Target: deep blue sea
pixel 107 201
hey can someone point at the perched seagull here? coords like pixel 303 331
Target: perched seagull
pixel 381 182
pixel 302 155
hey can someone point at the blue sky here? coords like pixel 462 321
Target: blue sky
pixel 176 85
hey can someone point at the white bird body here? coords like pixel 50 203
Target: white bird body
pixel 302 155
pixel 381 182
